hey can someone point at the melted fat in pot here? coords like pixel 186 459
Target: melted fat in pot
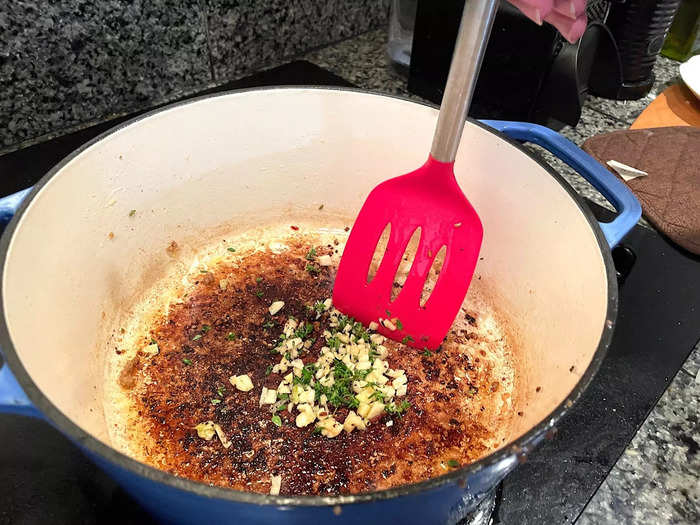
pixel 460 395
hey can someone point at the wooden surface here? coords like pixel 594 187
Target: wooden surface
pixel 674 106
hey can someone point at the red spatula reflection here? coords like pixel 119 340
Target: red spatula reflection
pixel 431 199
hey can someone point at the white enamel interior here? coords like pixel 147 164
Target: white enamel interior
pixel 245 157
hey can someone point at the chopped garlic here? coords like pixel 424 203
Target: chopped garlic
pixel 363 409
pixel 353 421
pixel 330 427
pixel 289 327
pixel 306 415
pixel 366 372
pixel 223 283
pixel 275 485
pixel 307 396
pixel 151 349
pixel 390 423
pixel 389 325
pixel 375 410
pixel 268 397
pixel 324 260
pixel 373 326
pixel 275 307
pixel 206 430
pixel 401 380
pixel 222 437
pixel 242 382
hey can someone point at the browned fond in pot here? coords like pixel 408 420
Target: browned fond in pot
pixel 457 399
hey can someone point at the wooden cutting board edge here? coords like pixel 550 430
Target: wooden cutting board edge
pixel 674 106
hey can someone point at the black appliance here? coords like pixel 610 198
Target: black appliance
pixel 639 28
pixel 530 72
pixel 45 479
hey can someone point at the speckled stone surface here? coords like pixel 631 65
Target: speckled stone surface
pixel 657 479
pixel 244 34
pixel 363 61
pixel 69 62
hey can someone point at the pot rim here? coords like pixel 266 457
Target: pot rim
pixel 521 445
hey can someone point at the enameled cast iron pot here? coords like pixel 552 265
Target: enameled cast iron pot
pixel 246 157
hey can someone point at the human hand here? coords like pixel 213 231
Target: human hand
pixel 568 16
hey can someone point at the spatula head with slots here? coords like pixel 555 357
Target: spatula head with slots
pixel 431 199
pixel 428 198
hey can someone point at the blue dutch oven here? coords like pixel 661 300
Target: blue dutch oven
pixel 233 160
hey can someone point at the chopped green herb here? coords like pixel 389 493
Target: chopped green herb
pixel 276 420
pixel 378 395
pixel 283 397
pixel 259 293
pixel 231 249
pixel 313 270
pixel 340 394
pixel 319 307
pixel 333 342
pixel 360 332
pixel 304 330
pixel 187 361
pixel 388 313
pixel 407 339
pixel 452 463
pixel 258 280
pixel 426 353
pixel 153 341
pixel 311 256
pixel 215 401
pixel 398 410
pixel 268 370
pixel 197 337
pixel 268 325
pixel 205 328
pixel 317 430
pixel 281 408
pixel 231 336
pixel 203 271
pixel 360 375
pixel 132 213
pixel 220 390
pixel 473 390
pixel 307 373
pixel 399 324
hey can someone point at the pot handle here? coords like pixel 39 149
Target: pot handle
pixel 13 400
pixel 9 205
pixel 624 201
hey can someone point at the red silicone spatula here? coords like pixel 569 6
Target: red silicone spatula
pixel 431 199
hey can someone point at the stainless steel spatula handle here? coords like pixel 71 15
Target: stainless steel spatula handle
pixel 474 31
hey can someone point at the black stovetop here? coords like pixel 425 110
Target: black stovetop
pixel 44 479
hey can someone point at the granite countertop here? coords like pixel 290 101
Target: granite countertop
pixel 656 480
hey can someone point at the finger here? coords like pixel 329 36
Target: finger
pixel 570 8
pixel 535 10
pixel 571 29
